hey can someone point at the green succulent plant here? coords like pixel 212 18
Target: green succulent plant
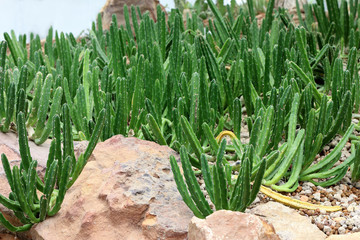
pixel 223 191
pixel 334 18
pixel 62 170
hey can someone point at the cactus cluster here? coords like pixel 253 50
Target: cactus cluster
pixel 335 22
pixel 181 85
pixel 223 191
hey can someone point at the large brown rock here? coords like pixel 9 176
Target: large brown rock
pixel 126 191
pixel 117 7
pixel 288 223
pixel 225 224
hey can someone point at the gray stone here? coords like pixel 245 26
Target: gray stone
pixel 327 229
pixel 341 230
pixel 317 196
pixel 337 196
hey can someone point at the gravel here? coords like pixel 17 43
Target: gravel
pixel 345 194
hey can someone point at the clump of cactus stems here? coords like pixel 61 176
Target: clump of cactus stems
pixel 223 191
pixel 62 170
pixel 339 23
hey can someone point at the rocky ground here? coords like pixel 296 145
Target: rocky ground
pixel 345 194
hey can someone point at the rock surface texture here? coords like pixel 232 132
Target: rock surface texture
pixel 225 224
pixel 117 7
pixel 126 191
pixel 288 223
pixel 352 236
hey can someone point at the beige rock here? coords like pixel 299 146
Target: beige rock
pixel 10 146
pixel 117 7
pixel 225 224
pixel 126 191
pixel 352 236
pixel 288 223
pixel 288 4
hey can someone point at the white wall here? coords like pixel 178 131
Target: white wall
pixel 25 16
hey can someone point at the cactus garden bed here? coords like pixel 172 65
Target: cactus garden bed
pixel 292 88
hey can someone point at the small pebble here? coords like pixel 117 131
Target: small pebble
pixel 322 211
pixel 320 226
pixel 304 198
pixel 341 230
pixel 317 196
pixel 340 219
pixel 337 196
pixel 307 191
pixel 327 229
pixel 333 143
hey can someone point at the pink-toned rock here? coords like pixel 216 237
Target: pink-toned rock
pixel 225 224
pixel 126 191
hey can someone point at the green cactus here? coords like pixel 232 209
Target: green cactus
pixel 25 182
pixel 231 195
